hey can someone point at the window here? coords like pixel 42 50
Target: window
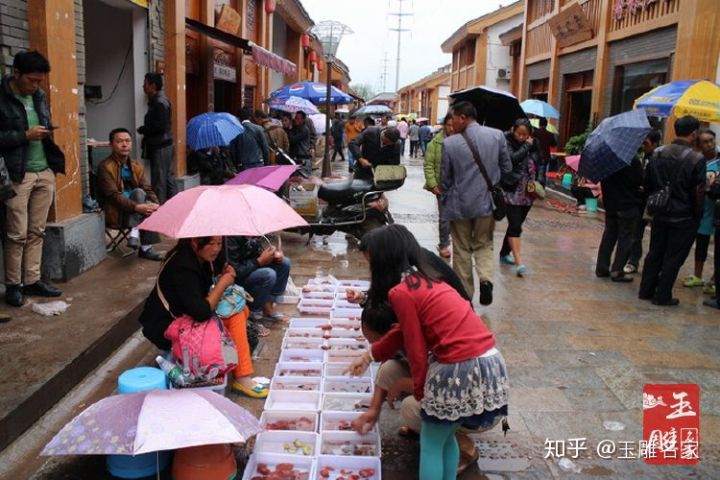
pixel 635 79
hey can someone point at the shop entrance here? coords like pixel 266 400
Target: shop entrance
pixel 577 105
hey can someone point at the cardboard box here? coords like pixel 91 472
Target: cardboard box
pixel 305 202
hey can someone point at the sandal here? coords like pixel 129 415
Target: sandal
pixel 256 391
pixel 262 330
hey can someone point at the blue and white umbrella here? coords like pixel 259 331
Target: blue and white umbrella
pixel 539 108
pixel 373 110
pixel 312 91
pixel 293 104
pixel 613 144
pixel 212 130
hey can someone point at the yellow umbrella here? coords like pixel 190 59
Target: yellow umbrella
pixel 550 127
pixel 698 98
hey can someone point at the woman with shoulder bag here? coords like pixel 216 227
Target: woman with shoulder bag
pixel 185 288
pixel 519 189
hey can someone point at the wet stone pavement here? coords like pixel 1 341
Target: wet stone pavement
pixel 579 350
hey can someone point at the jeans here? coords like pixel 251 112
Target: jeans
pixel 619 231
pixel 516 215
pixel 402 146
pixel 670 245
pixel 413 148
pixel 266 283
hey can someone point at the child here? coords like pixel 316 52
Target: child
pixel 463 381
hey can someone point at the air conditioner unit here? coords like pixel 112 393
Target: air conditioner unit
pixel 504 74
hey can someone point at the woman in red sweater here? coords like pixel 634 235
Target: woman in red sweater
pixel 459 376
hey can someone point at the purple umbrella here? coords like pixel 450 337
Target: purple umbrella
pixel 271 178
pixel 143 422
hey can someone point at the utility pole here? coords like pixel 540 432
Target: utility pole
pixel 400 31
pixel 384 74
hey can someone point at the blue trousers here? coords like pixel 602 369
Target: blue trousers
pixel 266 283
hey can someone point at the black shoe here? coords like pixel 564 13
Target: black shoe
pixel 150 254
pixel 645 297
pixel 621 278
pixel 711 302
pixel 5 318
pixel 666 303
pixel 486 289
pixel 41 289
pixel 13 295
pixel 602 274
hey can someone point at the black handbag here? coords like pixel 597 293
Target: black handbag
pixel 498 199
pixel 6 185
pixel 658 202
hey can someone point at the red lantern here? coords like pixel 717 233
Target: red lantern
pixel 312 56
pixel 319 66
pixel 269 7
pixel 306 41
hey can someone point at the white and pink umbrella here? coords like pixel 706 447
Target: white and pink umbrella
pixel 222 210
pixel 143 422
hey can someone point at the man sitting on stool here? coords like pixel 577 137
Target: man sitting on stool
pixel 125 196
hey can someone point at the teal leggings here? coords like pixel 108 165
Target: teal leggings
pixel 439 452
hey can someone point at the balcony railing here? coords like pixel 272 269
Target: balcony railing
pixel 538 40
pixel 654 11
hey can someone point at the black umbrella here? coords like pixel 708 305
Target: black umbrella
pixel 495 108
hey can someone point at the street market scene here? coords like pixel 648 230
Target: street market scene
pixel 308 240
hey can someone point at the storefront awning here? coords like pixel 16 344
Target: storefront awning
pixel 272 61
pixel 260 55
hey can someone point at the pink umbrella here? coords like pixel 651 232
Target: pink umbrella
pixel 224 210
pixel 573 161
pixel 271 178
pixel 143 422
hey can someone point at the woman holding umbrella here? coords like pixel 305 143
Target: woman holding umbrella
pixel 524 154
pixel 185 287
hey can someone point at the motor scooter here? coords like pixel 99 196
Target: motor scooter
pixel 354 206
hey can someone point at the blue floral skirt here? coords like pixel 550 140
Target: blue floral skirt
pixel 472 392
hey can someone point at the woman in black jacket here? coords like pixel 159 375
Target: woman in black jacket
pixel 524 154
pixel 186 283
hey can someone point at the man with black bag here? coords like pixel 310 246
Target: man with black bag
pixel 472 165
pixel 675 182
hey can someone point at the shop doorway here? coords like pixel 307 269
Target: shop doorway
pixel 115 66
pixel 577 104
pixel 224 97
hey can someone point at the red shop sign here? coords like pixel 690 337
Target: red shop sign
pixel 671 424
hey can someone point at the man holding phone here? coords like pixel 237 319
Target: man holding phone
pixel 32 160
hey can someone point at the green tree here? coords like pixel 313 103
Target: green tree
pixel 363 90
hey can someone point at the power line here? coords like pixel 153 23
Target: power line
pixel 399 14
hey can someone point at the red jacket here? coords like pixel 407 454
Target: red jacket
pixel 436 320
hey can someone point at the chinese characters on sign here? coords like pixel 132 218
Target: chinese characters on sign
pixel 671 423
pixel 570 26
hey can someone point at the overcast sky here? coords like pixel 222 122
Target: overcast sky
pixel 433 21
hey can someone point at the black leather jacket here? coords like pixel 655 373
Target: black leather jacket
pixel 14 124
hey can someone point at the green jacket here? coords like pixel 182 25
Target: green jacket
pixel 433 158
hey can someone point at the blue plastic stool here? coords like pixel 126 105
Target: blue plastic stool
pixel 126 466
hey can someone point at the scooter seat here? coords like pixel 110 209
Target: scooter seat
pixel 339 192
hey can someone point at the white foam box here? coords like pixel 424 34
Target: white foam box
pixel 313 287
pixel 302 355
pixel 345 402
pixel 354 464
pixel 337 370
pixel 347 344
pixel 342 356
pixel 342 303
pixel 349 313
pixel 287 299
pixel 292 400
pixel 283 442
pixel 315 307
pixel 345 324
pixel 296 420
pixel 272 460
pixel 307 322
pixel 345 333
pixel 347 385
pixel 297 369
pixel 329 421
pixel 304 333
pixel 334 443
pixel 357 284
pixel 324 280
pixel 302 384
pixel 311 343
pixel 318 295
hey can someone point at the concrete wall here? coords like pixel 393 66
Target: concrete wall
pixel 498 55
pixel 279 43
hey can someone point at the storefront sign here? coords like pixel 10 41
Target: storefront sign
pixel 223 72
pixel 570 26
